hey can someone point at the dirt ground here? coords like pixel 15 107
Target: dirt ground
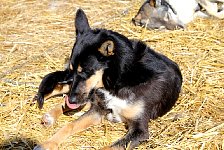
pixel 37 36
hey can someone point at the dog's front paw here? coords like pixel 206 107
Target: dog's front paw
pixel 39 98
pixel 46 146
pixel 47 120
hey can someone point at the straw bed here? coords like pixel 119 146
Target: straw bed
pixel 37 36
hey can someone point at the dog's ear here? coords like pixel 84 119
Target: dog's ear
pixel 107 48
pixel 81 22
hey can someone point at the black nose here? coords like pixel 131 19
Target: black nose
pixel 72 100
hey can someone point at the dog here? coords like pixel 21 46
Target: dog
pixel 121 80
pixel 176 14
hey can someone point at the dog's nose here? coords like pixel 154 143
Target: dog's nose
pixel 72 100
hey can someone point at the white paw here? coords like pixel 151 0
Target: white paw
pixel 48 120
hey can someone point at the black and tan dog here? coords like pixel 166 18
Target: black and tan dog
pixel 122 80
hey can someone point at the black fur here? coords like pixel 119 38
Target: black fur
pixel 134 70
pixel 49 83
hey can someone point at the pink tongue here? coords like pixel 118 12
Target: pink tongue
pixel 71 106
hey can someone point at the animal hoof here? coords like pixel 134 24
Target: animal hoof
pixel 47 120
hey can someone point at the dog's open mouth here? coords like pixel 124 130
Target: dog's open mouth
pixel 71 106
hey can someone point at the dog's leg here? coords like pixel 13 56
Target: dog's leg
pixel 91 117
pixel 50 117
pixel 137 132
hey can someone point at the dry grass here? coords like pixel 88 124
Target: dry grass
pixel 36 37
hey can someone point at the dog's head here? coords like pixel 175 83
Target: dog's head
pixel 92 53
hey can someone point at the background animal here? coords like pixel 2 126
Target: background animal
pixel 173 14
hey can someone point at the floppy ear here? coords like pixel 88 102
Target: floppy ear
pixel 107 48
pixel 81 22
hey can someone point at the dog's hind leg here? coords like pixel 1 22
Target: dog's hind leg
pixel 50 117
pixel 91 117
pixel 137 132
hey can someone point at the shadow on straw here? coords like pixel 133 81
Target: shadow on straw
pixel 18 143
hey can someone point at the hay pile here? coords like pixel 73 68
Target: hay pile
pixel 36 37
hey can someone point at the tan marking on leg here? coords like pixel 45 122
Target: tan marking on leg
pixel 95 81
pixel 133 110
pixel 59 89
pixel 85 121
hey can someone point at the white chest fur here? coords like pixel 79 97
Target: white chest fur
pixel 122 109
